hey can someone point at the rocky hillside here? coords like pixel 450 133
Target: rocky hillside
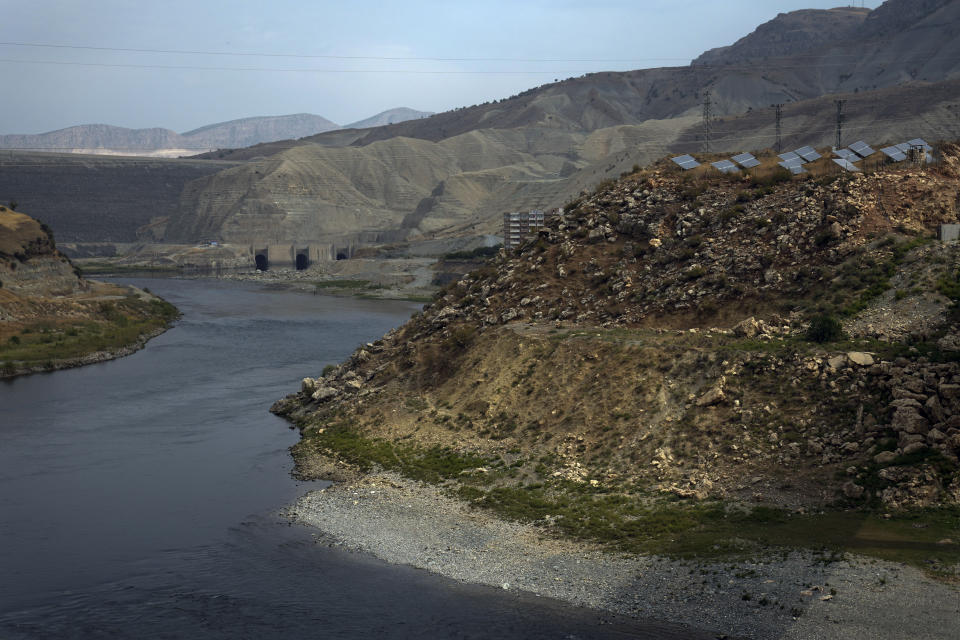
pixel 775 341
pixel 29 261
pixel 790 34
pixel 51 317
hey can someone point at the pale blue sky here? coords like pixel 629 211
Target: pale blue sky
pixel 503 48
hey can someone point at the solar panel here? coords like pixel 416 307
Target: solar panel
pixel 903 146
pixel 795 167
pixel 920 142
pixel 862 149
pixel 791 157
pixel 792 162
pixel 846 164
pixel 847 155
pixel 746 160
pixel 808 153
pixel 894 154
pixel 686 162
pixel 725 166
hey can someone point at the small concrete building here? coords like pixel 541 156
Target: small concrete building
pixel 520 225
pixel 948 232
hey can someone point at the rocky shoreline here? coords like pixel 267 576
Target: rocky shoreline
pixel 793 595
pixel 90 358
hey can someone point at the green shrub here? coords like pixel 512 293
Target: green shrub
pixel 824 328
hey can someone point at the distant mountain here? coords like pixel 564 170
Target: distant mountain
pixel 391 116
pixel 102 139
pixel 455 173
pixel 247 132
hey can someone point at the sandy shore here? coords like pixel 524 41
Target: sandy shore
pixel 794 596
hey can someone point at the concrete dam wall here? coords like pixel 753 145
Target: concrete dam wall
pixel 97 198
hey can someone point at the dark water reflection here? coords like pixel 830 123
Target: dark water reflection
pixel 137 497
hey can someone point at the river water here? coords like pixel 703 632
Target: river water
pixel 139 498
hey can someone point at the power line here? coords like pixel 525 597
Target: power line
pixel 329 56
pixel 268 54
pixel 288 70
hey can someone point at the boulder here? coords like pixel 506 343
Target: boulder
pixel 860 358
pixel 885 457
pixel 909 420
pixel 748 328
pixel 837 361
pixel 714 395
pixel 914 448
pixel 852 490
pixel 934 410
pixel 322 394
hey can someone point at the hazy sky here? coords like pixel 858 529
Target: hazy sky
pixel 343 60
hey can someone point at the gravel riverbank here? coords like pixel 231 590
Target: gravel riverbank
pixel 792 596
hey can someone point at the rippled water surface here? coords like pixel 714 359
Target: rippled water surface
pixel 138 497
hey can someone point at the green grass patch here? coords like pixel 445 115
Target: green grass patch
pixel 117 324
pixel 713 529
pixel 430 464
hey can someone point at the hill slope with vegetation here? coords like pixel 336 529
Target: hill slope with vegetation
pixel 53 318
pixel 676 349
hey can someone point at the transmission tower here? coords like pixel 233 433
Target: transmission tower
pixel 839 104
pixel 779 110
pixel 707 122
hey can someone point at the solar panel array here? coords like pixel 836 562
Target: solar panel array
pixel 862 149
pixel 900 152
pixel 746 160
pixel 847 155
pixel 686 162
pixel 808 153
pixel 846 164
pixel 793 161
pixel 894 154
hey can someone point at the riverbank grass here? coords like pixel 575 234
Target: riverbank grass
pixel 636 520
pixel 106 326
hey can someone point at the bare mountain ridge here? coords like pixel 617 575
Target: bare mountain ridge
pixel 556 140
pixel 244 132
pixel 390 116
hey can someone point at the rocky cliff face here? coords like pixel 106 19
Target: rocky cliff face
pixel 30 264
pixel 667 332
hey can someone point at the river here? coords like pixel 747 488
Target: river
pixel 139 498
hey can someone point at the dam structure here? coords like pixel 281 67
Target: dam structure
pixel 297 256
